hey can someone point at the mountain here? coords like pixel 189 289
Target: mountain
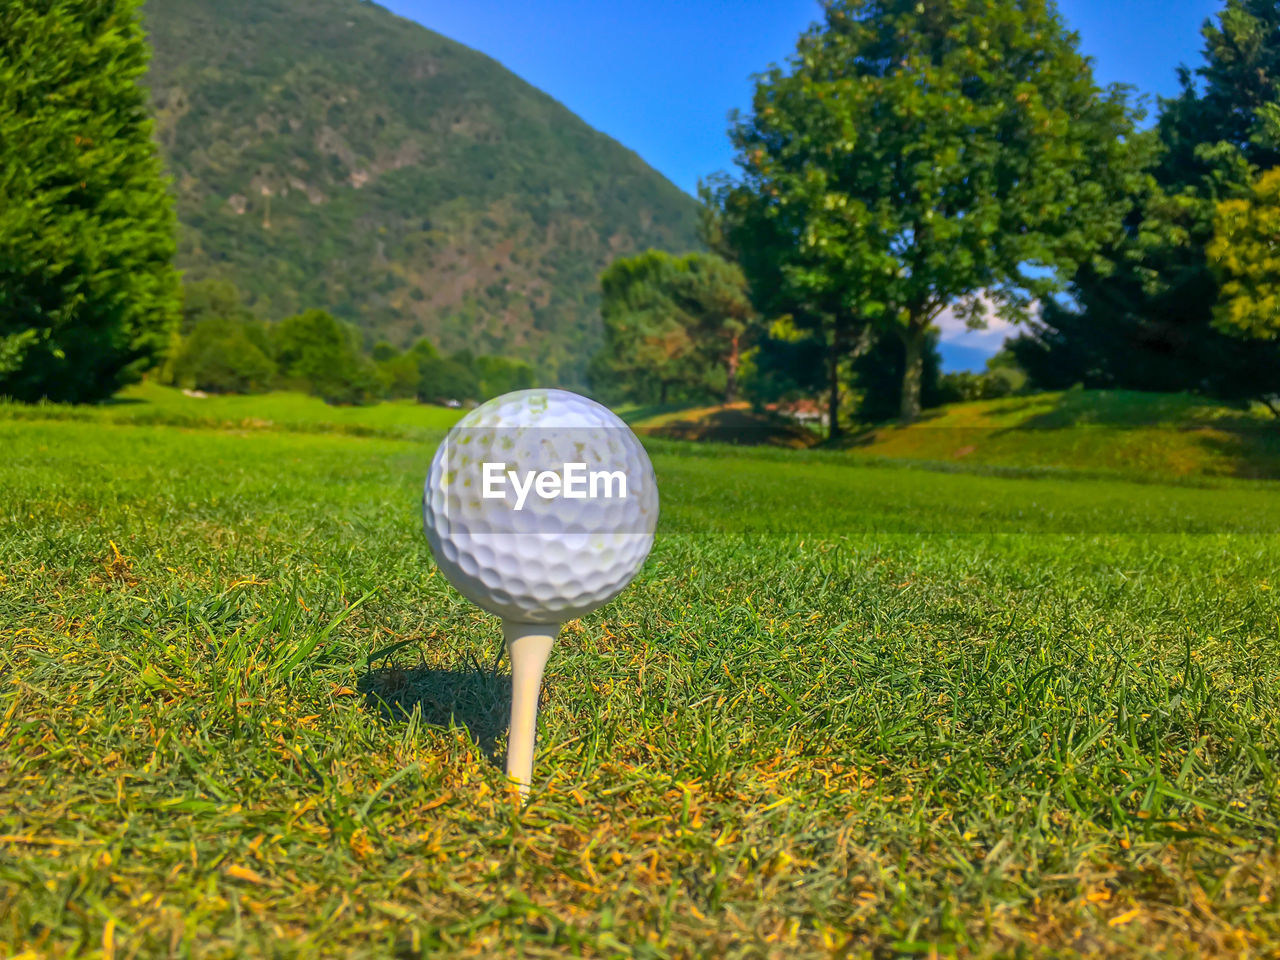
pixel 329 153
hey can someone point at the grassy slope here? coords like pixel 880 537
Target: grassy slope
pixel 1165 434
pixel 881 722
pixel 328 153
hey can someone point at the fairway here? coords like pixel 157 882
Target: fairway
pixel 850 706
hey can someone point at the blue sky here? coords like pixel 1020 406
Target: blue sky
pixel 661 76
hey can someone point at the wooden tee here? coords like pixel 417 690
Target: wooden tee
pixel 528 645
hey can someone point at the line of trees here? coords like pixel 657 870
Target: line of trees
pixel 220 347
pixel 908 158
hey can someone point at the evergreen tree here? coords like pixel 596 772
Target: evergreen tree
pixel 88 294
pixel 649 354
pixel 673 322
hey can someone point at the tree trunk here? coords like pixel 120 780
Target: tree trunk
pixel 662 393
pixel 833 374
pixel 731 378
pixel 912 372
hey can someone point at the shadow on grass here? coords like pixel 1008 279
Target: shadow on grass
pixel 469 696
pixel 737 425
pixel 865 434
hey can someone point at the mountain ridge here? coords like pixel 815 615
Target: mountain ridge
pixel 334 154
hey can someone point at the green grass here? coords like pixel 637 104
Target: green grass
pixel 1114 430
pixel 848 707
pixel 152 404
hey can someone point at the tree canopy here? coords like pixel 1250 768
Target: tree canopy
pixel 1245 249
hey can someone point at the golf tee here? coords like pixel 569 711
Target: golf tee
pixel 528 645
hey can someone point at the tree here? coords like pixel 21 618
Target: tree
pixel 319 352
pixel 916 155
pixel 424 349
pixel 816 296
pixel 1231 99
pixel 647 349
pixel 447 378
pixel 210 299
pixel 711 296
pixel 88 293
pixel 400 374
pixel 675 321
pixel 1245 249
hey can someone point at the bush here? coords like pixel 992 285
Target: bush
pixel 400 375
pixel 221 356
pixel 444 379
pixel 317 351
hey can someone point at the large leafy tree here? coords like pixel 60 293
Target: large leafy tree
pixel 88 294
pixel 914 155
pixel 1142 312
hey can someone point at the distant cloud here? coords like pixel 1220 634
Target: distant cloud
pixel 989 340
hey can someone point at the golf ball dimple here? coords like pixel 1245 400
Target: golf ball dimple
pixel 541 558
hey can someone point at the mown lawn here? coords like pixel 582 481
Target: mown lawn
pixel 846 709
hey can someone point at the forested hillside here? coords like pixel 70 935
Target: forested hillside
pixel 327 153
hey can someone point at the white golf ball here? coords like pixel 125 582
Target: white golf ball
pixel 583 526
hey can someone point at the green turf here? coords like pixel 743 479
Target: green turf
pixel 847 708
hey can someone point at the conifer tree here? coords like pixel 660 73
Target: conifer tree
pixel 88 293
